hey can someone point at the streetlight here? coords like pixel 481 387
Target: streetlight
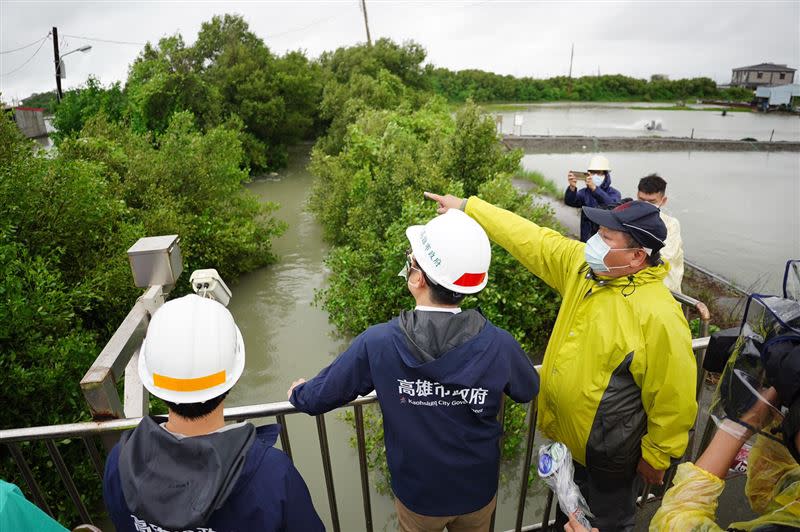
pixel 60 62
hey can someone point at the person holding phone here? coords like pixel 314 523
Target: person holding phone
pixel 598 192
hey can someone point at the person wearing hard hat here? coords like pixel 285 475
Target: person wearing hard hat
pixel 193 472
pixel 618 376
pixel 598 193
pixel 440 374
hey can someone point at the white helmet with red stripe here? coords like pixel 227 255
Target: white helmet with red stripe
pixel 193 351
pixel 453 251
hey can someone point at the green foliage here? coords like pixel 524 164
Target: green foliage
pixel 473 153
pixel 163 80
pixel 694 326
pixel 228 77
pixel 67 220
pixel 79 105
pixel 543 185
pixel 736 94
pixel 275 98
pixel 384 76
pixel 45 100
pixel 489 87
pixel 403 61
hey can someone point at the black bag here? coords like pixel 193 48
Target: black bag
pixel 720 346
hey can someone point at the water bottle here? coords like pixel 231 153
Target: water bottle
pixel 555 468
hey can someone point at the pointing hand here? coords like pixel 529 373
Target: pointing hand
pixel 445 202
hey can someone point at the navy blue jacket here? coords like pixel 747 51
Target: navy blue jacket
pixel 269 495
pixel 439 417
pixel 601 196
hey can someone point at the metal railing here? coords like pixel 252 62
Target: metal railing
pixel 118 360
pixel 89 431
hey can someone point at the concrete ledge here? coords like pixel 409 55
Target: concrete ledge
pixel 570 144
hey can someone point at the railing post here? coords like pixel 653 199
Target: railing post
pixel 137 399
pixel 66 478
pixel 322 432
pixel 523 489
pixel 548 505
pixel 362 465
pixel 501 416
pixel 285 445
pixel 27 474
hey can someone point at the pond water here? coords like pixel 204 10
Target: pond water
pixel 739 211
pixel 620 120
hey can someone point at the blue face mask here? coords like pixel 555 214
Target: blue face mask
pixel 595 253
pixel 598 179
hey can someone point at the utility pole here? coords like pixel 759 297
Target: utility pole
pixel 571 55
pixel 57 60
pixel 366 22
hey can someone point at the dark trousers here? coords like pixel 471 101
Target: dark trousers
pixel 612 500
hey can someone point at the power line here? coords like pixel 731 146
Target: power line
pixel 320 21
pixel 26 46
pixel 105 40
pixel 29 59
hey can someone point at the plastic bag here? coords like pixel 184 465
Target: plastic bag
pixel 555 468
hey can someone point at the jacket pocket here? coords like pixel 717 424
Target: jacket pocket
pixel 614 447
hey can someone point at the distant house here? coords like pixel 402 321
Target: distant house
pixel 752 77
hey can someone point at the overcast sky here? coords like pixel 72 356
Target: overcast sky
pixel 523 38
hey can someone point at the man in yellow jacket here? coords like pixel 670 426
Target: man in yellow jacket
pixel 618 377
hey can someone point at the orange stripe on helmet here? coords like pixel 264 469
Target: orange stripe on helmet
pixel 189 385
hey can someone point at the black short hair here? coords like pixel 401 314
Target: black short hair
pixel 195 411
pixel 441 295
pixel 652 184
pixel 654 259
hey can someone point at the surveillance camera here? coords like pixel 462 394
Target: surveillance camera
pixel 208 283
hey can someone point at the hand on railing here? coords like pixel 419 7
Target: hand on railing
pixel 294 385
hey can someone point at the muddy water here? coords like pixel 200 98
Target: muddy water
pixel 286 337
pixel 612 120
pixel 739 211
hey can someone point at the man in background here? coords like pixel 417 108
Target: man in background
pixel 653 189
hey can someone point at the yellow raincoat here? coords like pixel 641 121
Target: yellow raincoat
pixel 619 374
pixel 773 488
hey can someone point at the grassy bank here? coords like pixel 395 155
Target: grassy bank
pixel 543 185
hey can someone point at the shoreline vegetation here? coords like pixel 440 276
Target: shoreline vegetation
pixel 494 107
pixel 168 152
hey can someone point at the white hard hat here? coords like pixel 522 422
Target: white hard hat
pixel 599 162
pixel 453 251
pixel 193 351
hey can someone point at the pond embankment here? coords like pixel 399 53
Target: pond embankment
pixel 574 143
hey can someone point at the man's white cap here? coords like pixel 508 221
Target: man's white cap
pixel 453 251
